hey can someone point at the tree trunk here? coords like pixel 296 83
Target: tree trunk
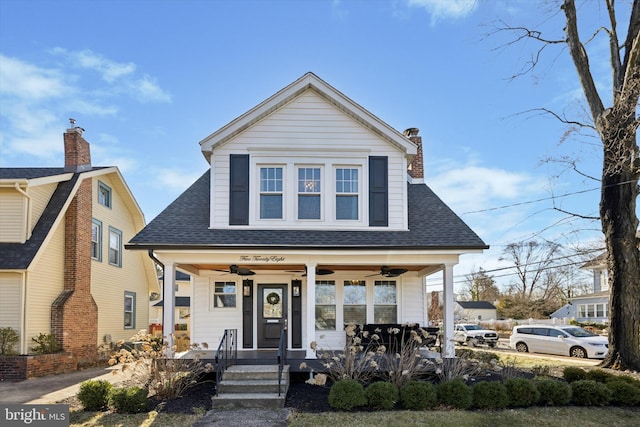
pixel 620 225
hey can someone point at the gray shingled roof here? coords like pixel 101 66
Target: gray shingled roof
pixel 18 256
pixel 179 302
pixel 185 224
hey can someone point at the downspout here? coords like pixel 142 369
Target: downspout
pixel 27 232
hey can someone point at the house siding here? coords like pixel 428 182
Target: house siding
pixel 338 140
pixel 109 281
pixel 40 196
pixel 11 301
pixel 13 206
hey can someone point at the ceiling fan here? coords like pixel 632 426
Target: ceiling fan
pixel 240 271
pixel 390 272
pixel 319 271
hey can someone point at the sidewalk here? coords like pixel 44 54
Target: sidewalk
pixel 53 388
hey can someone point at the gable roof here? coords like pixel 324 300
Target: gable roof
pixel 184 224
pixel 476 305
pixel 293 90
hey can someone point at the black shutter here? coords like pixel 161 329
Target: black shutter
pixel 247 314
pixel 296 315
pixel 378 191
pixel 239 189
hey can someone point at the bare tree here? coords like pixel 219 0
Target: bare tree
pixel 481 287
pixel 616 127
pixel 532 262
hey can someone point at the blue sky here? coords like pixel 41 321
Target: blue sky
pixel 148 80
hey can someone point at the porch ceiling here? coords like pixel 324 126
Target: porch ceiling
pixel 300 268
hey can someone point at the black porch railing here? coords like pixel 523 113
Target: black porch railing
pixel 227 354
pixel 282 356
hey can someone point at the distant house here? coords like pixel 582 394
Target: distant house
pixel 63 268
pixel 182 310
pixel 475 311
pixel 312 213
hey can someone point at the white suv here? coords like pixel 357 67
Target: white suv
pixel 565 340
pixel 472 335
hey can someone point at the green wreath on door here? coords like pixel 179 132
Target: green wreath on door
pixel 273 298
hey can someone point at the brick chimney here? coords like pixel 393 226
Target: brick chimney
pixel 74 313
pixel 77 157
pixel 416 168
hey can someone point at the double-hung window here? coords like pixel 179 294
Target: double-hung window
pixel 104 194
pixel 347 194
pixel 115 247
pixel 309 194
pixel 96 239
pixel 385 308
pixel 271 193
pixel 224 294
pixel 129 310
pixel 325 305
pixel 355 302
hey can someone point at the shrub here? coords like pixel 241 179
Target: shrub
pixel 129 400
pixel 598 375
pixel 455 393
pixel 624 393
pixel 490 395
pixel 590 393
pixel 573 373
pixel 346 395
pixel 45 344
pixel 522 392
pixel 382 395
pixel 8 340
pixel 418 395
pixel 94 394
pixel 553 392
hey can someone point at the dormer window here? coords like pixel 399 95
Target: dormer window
pixel 309 194
pixel 271 193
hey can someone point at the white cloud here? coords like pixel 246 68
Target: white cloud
pixel 18 78
pixel 446 9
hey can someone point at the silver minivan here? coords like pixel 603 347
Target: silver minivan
pixel 565 340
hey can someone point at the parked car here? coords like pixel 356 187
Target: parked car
pixel 473 335
pixel 565 340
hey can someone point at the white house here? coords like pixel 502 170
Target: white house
pixel 313 213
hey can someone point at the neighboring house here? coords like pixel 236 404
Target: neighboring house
pixel 475 311
pixel 313 213
pixel 63 268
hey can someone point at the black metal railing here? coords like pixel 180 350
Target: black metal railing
pixel 282 356
pixel 227 354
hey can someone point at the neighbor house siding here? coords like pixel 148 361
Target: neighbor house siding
pixel 40 196
pixel 45 282
pixel 108 282
pixel 338 140
pixel 13 206
pixel 11 301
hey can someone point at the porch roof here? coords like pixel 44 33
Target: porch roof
pixel 184 224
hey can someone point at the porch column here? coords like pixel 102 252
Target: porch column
pixel 168 309
pixel 448 350
pixel 311 310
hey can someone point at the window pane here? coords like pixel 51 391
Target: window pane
pixel 224 294
pixel 308 207
pixel 225 288
pixel 128 320
pixel 346 207
pixel 309 180
pixel 325 317
pixel 384 292
pixel 355 293
pixel 355 314
pixel 271 206
pixel 271 179
pixel 325 292
pixel 385 314
pixel 128 304
pixel 224 301
pixel 272 303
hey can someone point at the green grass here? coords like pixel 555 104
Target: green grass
pixel 549 417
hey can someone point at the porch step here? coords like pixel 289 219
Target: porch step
pixel 252 386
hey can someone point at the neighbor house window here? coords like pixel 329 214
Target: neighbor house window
pixel 129 310
pixel 592 310
pixel 347 194
pixel 325 305
pixel 104 194
pixel 115 247
pixel 224 294
pixel 309 193
pixel 96 239
pixel 355 302
pixel 385 309
pixel 271 193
